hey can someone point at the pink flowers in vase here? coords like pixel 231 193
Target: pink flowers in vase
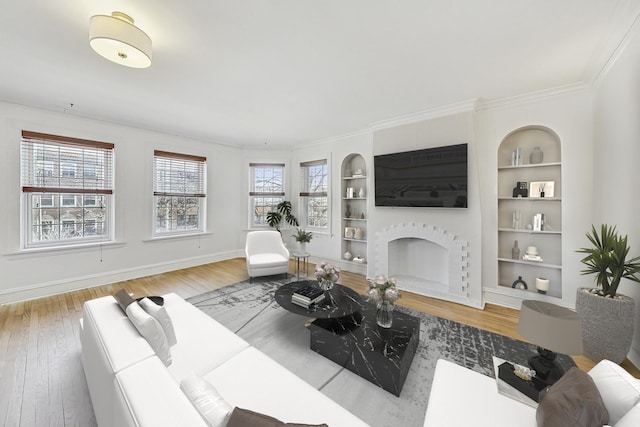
pixel 382 289
pixel 326 271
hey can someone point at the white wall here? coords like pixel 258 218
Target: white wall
pixel 617 153
pixel 329 246
pixel 27 275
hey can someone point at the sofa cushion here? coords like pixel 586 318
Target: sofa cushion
pixel 206 399
pixel 244 417
pixel 455 387
pixel 620 391
pixel 159 313
pixel 631 418
pixel 151 330
pixel 124 299
pixel 267 387
pixel 203 343
pixel 147 395
pixel 572 401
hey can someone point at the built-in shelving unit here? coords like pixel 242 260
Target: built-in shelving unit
pixel 548 239
pixel 354 210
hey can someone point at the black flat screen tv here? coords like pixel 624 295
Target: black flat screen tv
pixel 431 177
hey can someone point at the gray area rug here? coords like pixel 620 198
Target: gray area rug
pixel 250 310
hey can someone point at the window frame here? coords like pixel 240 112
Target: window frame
pixel 45 163
pixel 254 195
pixel 305 195
pixel 174 184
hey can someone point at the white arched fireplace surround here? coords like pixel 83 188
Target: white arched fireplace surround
pixel 424 259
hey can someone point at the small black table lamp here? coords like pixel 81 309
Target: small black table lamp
pixel 553 329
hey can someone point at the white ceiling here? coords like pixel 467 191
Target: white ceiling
pixel 285 72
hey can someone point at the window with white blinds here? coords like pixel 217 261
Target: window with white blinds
pixel 179 190
pixel 266 190
pixel 314 200
pixel 67 189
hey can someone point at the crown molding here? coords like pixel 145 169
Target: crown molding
pixel 433 113
pixel 599 75
pixel 366 131
pixel 531 97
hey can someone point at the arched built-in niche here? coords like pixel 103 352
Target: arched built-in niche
pixel 354 210
pixel 530 189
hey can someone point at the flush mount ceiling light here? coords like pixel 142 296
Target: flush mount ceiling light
pixel 117 39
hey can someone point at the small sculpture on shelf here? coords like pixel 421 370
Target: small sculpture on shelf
pixel 516 219
pixel 521 190
pixel 519 283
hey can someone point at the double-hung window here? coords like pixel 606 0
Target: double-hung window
pixel 266 190
pixel 314 200
pixel 179 190
pixel 62 205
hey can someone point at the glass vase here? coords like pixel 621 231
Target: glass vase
pixel 326 285
pixel 384 314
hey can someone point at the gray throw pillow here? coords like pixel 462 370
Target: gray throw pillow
pixel 572 401
pixel 244 417
pixel 124 299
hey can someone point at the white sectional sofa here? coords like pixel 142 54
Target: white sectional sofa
pixel 461 397
pixel 131 386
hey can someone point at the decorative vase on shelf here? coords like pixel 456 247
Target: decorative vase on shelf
pixel 347 214
pixel 384 314
pixel 515 251
pixel 542 285
pixel 361 193
pixel 358 234
pixel 536 156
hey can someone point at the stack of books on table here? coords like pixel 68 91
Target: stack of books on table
pixel 307 296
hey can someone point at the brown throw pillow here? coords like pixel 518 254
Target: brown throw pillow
pixel 246 418
pixel 572 401
pixel 124 299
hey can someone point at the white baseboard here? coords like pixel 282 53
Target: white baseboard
pixel 40 290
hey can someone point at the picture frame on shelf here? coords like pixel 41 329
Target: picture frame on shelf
pixel 541 189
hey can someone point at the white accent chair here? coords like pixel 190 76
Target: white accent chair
pixel 266 255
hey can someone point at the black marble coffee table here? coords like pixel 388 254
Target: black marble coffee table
pixel 347 334
pixel 382 356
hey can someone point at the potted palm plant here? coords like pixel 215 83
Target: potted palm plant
pixel 607 316
pixel 282 212
pixel 303 237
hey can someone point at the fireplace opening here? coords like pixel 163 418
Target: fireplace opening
pixel 418 264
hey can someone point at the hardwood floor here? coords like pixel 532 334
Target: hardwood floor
pixel 41 375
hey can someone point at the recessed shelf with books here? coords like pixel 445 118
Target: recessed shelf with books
pixel 530 210
pixel 354 210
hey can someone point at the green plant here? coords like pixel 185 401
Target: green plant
pixel 607 259
pixel 303 236
pixel 283 211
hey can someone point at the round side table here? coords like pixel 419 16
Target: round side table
pixel 304 258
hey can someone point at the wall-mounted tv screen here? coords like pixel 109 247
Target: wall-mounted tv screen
pixel 431 177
